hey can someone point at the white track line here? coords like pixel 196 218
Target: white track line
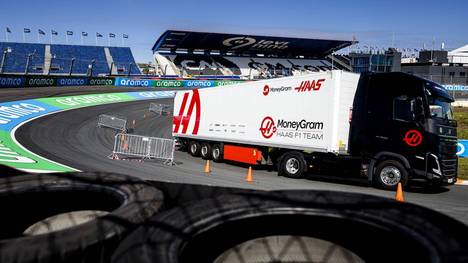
pixel 13 137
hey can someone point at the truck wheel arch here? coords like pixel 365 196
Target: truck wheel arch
pixel 384 156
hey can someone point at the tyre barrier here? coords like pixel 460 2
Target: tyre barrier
pixel 70 217
pixel 362 228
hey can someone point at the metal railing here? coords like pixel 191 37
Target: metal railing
pixel 160 109
pixel 144 147
pixel 112 122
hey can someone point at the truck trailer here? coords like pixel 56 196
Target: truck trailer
pixel 395 126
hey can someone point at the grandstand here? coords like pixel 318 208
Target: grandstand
pixel 55 59
pixel 186 53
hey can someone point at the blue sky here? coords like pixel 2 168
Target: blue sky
pixel 374 23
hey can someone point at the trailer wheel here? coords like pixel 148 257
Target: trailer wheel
pixel 389 173
pixel 293 165
pixel 194 148
pixel 205 151
pixel 217 153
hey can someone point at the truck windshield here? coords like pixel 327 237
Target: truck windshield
pixel 440 108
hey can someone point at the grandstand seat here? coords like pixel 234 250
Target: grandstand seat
pixel 123 57
pixel 61 57
pixel 16 60
pixel 84 57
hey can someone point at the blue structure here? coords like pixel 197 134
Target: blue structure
pixel 83 58
pixel 17 55
pixel 121 57
pixel 65 59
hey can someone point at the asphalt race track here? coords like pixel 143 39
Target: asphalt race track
pixel 72 138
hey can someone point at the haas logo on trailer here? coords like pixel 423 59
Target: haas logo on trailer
pixel 267 128
pixel 184 117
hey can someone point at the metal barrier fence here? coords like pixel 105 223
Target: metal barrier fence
pixel 144 147
pixel 161 109
pixel 112 122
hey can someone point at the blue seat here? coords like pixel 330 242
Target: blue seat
pixel 16 60
pixel 62 56
pixel 83 57
pixel 123 57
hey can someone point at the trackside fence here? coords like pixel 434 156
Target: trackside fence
pixel 144 147
pixel 112 122
pixel 160 109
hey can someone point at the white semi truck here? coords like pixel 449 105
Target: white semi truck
pixel 395 125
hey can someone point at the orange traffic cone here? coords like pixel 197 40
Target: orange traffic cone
pixel 207 167
pixel 249 177
pixel 399 194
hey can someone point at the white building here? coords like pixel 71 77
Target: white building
pixel 459 55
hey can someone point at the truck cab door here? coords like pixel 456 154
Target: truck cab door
pixel 408 126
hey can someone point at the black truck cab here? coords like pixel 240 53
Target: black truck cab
pixel 403 126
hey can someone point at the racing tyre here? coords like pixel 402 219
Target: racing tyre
pixel 217 153
pixel 293 165
pixel 194 148
pixel 71 217
pixel 205 151
pixel 247 228
pixel 389 173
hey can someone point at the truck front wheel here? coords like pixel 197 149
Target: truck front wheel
pixel 194 148
pixel 389 173
pixel 293 165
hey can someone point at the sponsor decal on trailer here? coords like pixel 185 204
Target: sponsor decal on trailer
pixel 184 117
pixel 310 85
pixel 303 129
pixel 267 90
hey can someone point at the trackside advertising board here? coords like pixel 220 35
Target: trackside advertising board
pixel 309 112
pixel 14 114
pixel 163 83
pixel 462 149
pixel 12 81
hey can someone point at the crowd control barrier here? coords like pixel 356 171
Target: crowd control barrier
pixel 144 147
pixel 112 122
pixel 160 109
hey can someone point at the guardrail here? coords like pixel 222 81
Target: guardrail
pixel 144 147
pixel 112 122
